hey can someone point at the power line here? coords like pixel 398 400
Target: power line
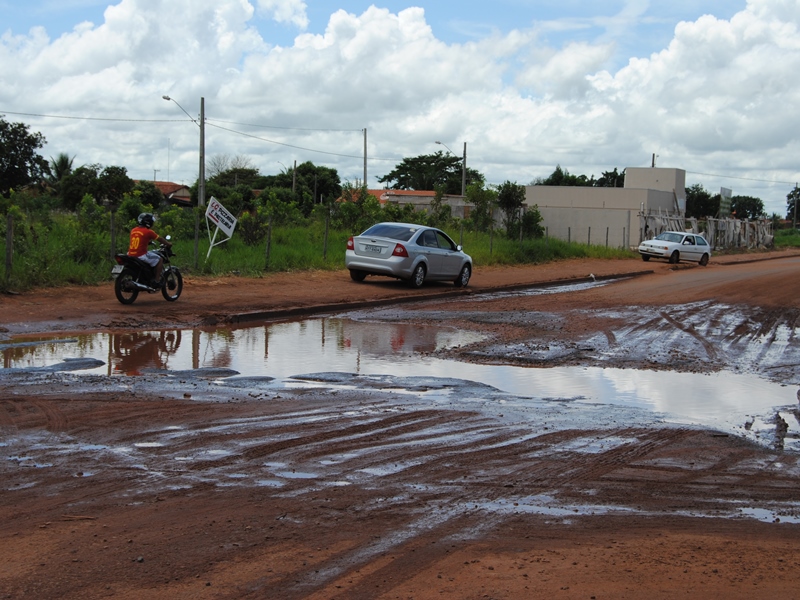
pixel 286 128
pixel 255 137
pixel 8 112
pixel 743 178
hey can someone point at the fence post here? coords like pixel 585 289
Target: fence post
pixel 325 244
pixel 113 236
pixel 606 237
pixel 569 235
pixel 9 246
pixel 269 243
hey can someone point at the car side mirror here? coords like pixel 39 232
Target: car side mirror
pixel 459 248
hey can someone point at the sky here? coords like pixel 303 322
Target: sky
pixel 708 86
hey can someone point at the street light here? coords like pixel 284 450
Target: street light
pixel 463 167
pixel 201 186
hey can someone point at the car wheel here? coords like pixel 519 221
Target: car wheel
pixel 704 260
pixel 357 275
pixel 463 278
pixel 418 276
pixel 645 258
pixel 675 258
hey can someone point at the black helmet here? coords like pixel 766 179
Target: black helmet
pixel 146 220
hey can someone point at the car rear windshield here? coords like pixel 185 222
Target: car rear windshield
pixel 402 233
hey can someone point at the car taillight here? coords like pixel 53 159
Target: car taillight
pixel 351 244
pixel 400 250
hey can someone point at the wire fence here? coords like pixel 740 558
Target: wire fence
pixel 722 233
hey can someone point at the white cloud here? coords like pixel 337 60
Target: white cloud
pixel 719 98
pixel 286 11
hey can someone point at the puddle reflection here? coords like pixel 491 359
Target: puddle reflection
pixel 283 350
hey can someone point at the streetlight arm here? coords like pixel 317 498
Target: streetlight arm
pixel 445 145
pixel 463 166
pixel 168 99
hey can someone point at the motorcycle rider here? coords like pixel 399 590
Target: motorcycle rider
pixel 141 237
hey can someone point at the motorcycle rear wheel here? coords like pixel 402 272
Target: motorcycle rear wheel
pixel 173 284
pixel 124 287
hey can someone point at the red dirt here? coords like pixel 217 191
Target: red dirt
pixel 452 521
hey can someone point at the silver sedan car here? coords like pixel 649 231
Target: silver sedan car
pixel 414 253
pixel 676 246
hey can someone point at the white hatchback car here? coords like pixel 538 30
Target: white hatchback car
pixel 676 246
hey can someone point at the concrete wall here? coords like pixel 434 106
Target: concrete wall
pixel 597 216
pixel 664 180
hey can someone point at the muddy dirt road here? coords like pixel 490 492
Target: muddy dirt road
pixel 350 486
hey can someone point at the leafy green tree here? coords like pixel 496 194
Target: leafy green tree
pixel 427 172
pixel 747 207
pixel 235 177
pixel 791 199
pixel 177 221
pixel 148 193
pixel 483 201
pixel 20 165
pixel 510 199
pixel 565 178
pixel 700 203
pixel 312 184
pixel 112 185
pixel 92 216
pixel 532 223
pixel 400 213
pixel 439 214
pixel 357 209
pixel 77 184
pixel 611 179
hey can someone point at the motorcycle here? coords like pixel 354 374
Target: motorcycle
pixel 132 276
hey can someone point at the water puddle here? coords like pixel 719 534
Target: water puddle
pixel 271 354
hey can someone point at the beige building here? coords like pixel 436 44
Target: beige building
pixel 610 216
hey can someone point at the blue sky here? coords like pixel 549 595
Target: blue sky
pixel 455 23
pixel 708 86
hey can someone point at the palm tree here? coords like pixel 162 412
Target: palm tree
pixel 60 167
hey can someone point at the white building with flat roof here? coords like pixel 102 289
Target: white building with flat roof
pixel 609 216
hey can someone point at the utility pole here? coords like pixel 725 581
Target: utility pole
pixel 201 190
pixel 464 174
pixel 794 219
pixel 154 174
pixel 365 156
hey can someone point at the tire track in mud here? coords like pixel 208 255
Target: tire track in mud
pixel 33 414
pixel 709 348
pixel 393 559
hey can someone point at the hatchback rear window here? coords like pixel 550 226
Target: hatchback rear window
pixel 391 231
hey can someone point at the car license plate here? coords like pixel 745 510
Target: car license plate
pixel 373 249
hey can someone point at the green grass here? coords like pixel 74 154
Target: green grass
pixel 787 238
pixel 63 253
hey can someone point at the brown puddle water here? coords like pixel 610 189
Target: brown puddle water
pixel 726 401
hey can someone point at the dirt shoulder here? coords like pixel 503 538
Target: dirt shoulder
pixel 209 301
pixel 173 487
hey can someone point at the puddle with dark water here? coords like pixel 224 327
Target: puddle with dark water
pixel 725 401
